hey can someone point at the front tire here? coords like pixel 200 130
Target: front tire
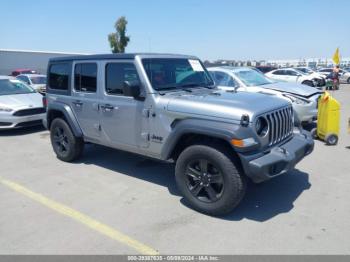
pixel 209 180
pixel 66 146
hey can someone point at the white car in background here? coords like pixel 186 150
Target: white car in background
pixel 20 105
pixel 313 73
pixel 294 76
pixel 344 76
pixel 38 82
pixel 304 98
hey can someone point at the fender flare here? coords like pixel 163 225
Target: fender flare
pixel 69 116
pixel 221 130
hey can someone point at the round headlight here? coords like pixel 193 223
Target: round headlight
pixel 261 126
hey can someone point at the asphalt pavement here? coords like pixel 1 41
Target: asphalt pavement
pixel 112 202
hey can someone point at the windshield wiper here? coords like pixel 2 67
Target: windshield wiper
pixel 173 88
pixel 182 87
pixel 196 85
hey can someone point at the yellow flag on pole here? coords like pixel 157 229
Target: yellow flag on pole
pixel 336 57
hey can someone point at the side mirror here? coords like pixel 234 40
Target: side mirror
pixel 132 88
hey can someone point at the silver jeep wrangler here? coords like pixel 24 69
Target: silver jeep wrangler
pixel 167 107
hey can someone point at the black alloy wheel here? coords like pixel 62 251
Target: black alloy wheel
pixel 204 180
pixel 66 146
pixel 60 140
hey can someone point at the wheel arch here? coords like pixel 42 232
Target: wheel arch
pixel 192 131
pixel 63 111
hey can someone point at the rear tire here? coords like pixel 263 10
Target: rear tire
pixel 331 139
pixel 66 146
pixel 209 180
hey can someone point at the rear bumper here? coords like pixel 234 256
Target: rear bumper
pixel 279 160
pixel 10 122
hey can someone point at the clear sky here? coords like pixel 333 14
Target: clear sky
pixel 230 29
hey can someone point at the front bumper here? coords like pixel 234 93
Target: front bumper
pixel 307 113
pixel 278 160
pixel 10 121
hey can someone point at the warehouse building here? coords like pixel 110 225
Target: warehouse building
pixel 11 60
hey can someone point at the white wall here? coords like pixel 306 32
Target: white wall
pixel 15 59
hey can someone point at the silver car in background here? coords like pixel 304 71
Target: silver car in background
pixel 321 79
pixel 36 81
pixel 344 76
pixel 20 105
pixel 304 98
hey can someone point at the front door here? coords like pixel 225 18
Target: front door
pixel 84 102
pixel 123 122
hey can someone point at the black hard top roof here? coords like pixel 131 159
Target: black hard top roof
pixel 116 56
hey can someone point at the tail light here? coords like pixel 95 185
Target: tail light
pixel 45 101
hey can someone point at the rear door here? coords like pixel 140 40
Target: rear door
pixel 278 75
pixel 122 117
pixel 85 98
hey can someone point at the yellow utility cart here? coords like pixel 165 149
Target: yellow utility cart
pixel 328 120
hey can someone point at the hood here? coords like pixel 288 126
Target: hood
pixel 293 88
pixel 22 100
pixel 225 105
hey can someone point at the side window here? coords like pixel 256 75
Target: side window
pixel 117 74
pixel 278 72
pixel 59 75
pixel 291 73
pixel 85 77
pixel 24 79
pixel 223 79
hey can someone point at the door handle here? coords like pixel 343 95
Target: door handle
pixel 108 107
pixel 78 103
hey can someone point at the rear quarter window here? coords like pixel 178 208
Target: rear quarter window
pixel 59 76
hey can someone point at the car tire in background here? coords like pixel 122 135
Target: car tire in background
pixel 209 180
pixel 308 83
pixel 66 146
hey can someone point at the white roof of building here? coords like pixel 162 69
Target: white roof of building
pixel 41 52
pixel 6 77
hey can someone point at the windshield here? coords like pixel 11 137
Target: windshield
pixel 13 87
pixel 252 77
pixel 38 80
pixel 176 73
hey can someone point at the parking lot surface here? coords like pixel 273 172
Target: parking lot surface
pixel 112 202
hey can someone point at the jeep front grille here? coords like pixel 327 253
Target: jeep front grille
pixel 281 125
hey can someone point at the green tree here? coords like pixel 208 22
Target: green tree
pixel 119 40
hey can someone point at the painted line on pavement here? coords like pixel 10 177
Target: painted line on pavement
pixel 81 218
